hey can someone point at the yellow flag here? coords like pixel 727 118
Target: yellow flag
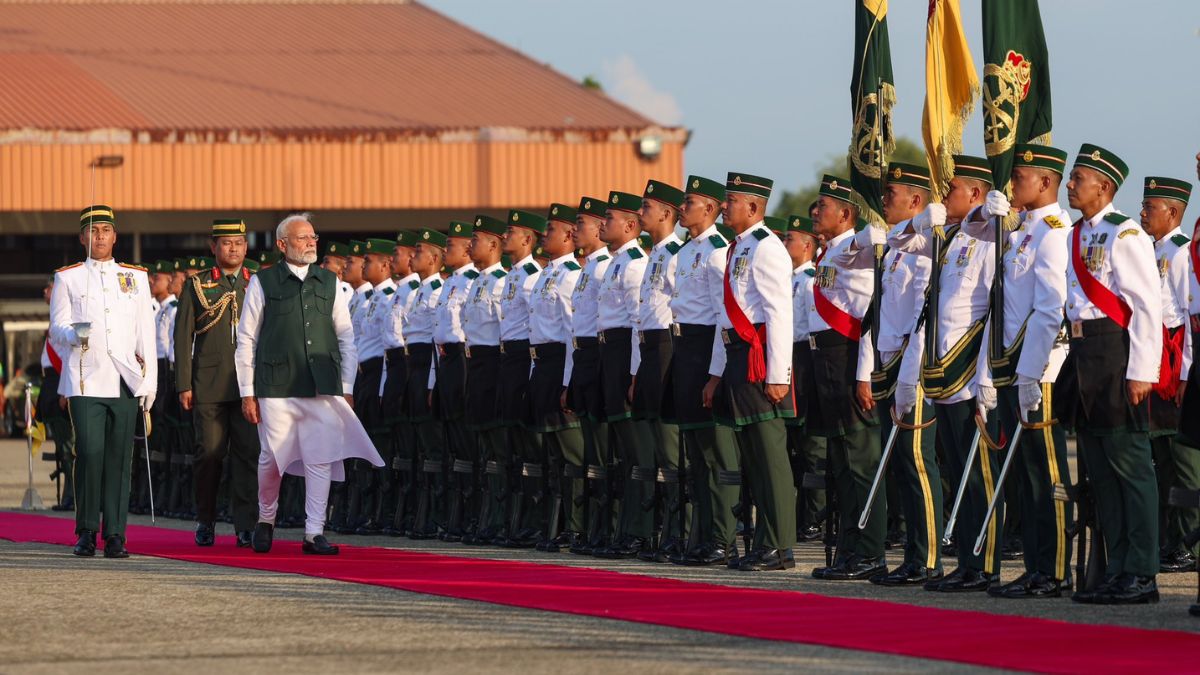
pixel 37 432
pixel 951 88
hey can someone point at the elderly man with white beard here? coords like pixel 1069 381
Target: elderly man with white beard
pixel 296 365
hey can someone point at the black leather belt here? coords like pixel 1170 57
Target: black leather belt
pixel 1079 330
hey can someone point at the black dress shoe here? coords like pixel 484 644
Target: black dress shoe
pixel 205 535
pixel 810 533
pixel 548 546
pixel 421 534
pixel 768 560
pixel 955 576
pixel 736 563
pixel 856 568
pixel 318 546
pixel 85 546
pixel 69 507
pixel 628 548
pixel 369 528
pixel 1014 549
pixel 1029 585
pixel 1179 561
pixel 971 581
pixel 244 538
pixel 907 574
pixel 707 554
pixel 1088 596
pixel 1194 610
pixel 264 534
pixel 114 547
pixel 1129 589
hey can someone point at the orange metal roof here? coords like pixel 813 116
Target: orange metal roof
pixel 275 69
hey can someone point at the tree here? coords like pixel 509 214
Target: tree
pixel 795 202
pixel 592 83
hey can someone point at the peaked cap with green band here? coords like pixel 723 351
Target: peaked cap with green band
pixel 338 249
pixel 228 227
pixel 667 194
pixel 527 220
pixel 748 184
pixel 623 201
pixel 593 206
pixel 431 237
pixel 251 265
pixel 406 238
pixel 1104 161
pixel 705 187
pixel 269 257
pixel 837 188
pixel 1040 157
pixel 358 248
pixel 977 168
pixel 908 174
pixel 97 214
pixel 563 213
pixel 488 225
pixel 776 225
pixel 460 229
pixel 801 224
pixel 381 246
pixel 1167 188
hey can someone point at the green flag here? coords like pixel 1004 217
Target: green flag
pixel 872 96
pixel 1016 82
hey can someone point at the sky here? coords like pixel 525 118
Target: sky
pixel 764 84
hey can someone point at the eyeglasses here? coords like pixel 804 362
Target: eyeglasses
pixel 305 238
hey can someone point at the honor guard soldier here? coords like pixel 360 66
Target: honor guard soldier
pixel 754 392
pixel 101 308
pixel 1114 306
pixel 336 259
pixel 449 382
pixel 516 444
pixel 697 304
pixel 583 394
pixel 481 325
pixel 418 325
pixel 397 479
pixel 1023 366
pixel 659 213
pixel 942 364
pixel 353 274
pixel 1177 465
pixel 205 338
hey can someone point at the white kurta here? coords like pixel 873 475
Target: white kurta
pixel 310 430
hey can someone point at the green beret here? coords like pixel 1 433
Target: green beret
pixel 432 237
pixel 751 185
pixel 1040 157
pixel 699 185
pixel 460 229
pixel 726 231
pixel 97 214
pixel 908 174
pixel 272 257
pixel 357 248
pixel 776 225
pixel 563 213
pixel 406 238
pixel 527 220
pixel 488 224
pixel 968 166
pixel 181 264
pixel 228 227
pixel 593 206
pixel 838 188
pixel 192 263
pixel 667 194
pixel 1096 157
pixel 645 241
pixel 801 224
pixel 337 249
pixel 250 265
pixel 623 201
pixel 1167 188
pixel 381 246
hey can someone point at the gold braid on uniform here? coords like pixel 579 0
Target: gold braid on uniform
pixel 213 312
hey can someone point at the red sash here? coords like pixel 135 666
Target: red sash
pixel 1104 299
pixel 846 324
pixel 1171 366
pixel 55 359
pixel 756 367
pixel 1194 249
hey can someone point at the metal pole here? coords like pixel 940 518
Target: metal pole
pixel 962 487
pixel 31 501
pixel 999 489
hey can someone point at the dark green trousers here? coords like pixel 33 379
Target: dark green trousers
pixel 914 469
pixel 764 455
pixel 665 441
pixel 807 455
pixel 1177 465
pixel 1121 473
pixel 635 445
pixel 853 459
pixel 712 450
pixel 956 427
pixel 1039 471
pixel 496 448
pixel 603 507
pixel 104 430
pixel 222 431
pixel 570 443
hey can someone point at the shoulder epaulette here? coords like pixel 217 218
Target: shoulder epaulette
pixel 132 267
pixel 530 268
pixel 1115 218
pixel 812 271
pixel 67 267
pixel 571 265
pixel 717 241
pixel 173 303
pixel 1131 232
pixel 674 247
pixel 388 291
pixel 1054 222
pixel 634 253
pixel 761 233
pixel 1180 240
pixel 437 283
pixel 602 257
pixel 499 274
pixel 414 284
pixel 471 274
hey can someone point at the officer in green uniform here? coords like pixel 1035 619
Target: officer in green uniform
pixel 206 379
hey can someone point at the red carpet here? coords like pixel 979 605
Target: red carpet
pixel 977 638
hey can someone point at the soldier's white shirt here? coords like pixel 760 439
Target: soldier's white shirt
pixel 164 327
pixel 391 323
pixel 1174 271
pixel 447 329
pixel 699 296
pixel 518 285
pixel 345 291
pixel 619 289
pixel 1036 257
pixel 585 299
pixel 848 288
pixel 759 271
pixel 803 279
pixel 1121 257
pixel 658 284
pixel 121 346
pixel 370 340
pixel 360 296
pixel 422 313
pixel 905 278
pixel 482 314
pixel 550 306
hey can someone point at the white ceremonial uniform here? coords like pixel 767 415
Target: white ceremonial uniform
pixel 481 314
pixel 447 327
pixel 699 295
pixel 550 313
pixel 585 299
pixel 518 286
pixel 849 289
pixel 391 322
pixel 658 285
pixel 804 278
pixel 618 296
pixel 345 291
pixel 1174 270
pixel 421 315
pixel 369 342
pixel 164 326
pixel 1123 259
pixel 307 436
pixel 121 347
pixel 361 294
pixel 759 278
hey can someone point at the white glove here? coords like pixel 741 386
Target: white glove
pixel 906 398
pixel 986 397
pixel 81 331
pixel 933 216
pixel 870 236
pixel 996 204
pixel 1030 394
pixel 148 400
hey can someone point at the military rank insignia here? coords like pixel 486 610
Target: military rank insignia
pixel 741 263
pixel 1093 253
pixel 127 282
pixel 616 271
